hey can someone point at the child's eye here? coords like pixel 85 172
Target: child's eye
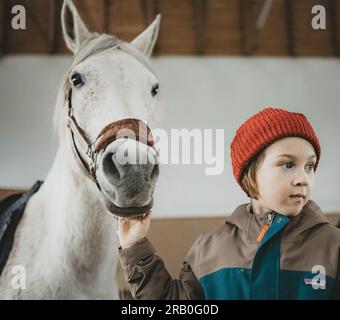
pixel 287 165
pixel 310 166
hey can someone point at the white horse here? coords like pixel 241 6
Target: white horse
pixel 66 240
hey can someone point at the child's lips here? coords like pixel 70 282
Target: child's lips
pixel 298 196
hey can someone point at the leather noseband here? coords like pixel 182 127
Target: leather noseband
pixel 131 128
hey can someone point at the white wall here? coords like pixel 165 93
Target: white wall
pixel 198 93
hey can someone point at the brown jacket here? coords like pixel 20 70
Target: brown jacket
pixel 297 259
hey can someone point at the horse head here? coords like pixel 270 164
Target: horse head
pixel 110 94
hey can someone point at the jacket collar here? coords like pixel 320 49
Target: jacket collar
pixel 310 216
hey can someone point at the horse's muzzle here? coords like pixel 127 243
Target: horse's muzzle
pixel 127 173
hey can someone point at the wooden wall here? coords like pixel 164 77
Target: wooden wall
pixel 189 27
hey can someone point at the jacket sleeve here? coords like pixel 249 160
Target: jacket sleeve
pixel 148 278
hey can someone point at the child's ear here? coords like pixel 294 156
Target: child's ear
pixel 74 29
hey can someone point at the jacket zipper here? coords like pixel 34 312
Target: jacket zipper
pixel 270 218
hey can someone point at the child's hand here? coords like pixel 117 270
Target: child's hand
pixel 131 230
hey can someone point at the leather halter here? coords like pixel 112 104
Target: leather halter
pixel 131 128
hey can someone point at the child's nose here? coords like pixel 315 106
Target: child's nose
pixel 301 179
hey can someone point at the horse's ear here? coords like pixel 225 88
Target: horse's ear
pixel 74 29
pixel 145 42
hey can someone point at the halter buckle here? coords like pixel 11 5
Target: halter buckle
pixel 91 153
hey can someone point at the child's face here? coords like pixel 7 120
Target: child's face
pixel 286 176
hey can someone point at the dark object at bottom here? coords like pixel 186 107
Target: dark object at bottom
pixel 11 211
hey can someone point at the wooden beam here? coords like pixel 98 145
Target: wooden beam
pixel 6 25
pixel 263 15
pixel 290 27
pixel 242 26
pixel 246 27
pixel 149 10
pixel 144 5
pixel 56 6
pixel 105 17
pixel 199 12
pixel 332 5
pixel 31 15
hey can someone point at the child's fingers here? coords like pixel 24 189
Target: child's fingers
pixel 125 224
pixel 147 218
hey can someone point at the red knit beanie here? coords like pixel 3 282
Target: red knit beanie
pixel 264 128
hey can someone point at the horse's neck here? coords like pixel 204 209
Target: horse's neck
pixel 77 225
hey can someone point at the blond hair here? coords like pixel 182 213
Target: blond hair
pixel 248 180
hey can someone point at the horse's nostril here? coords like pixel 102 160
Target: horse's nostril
pixel 110 167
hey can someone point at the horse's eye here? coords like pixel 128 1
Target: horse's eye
pixel 77 80
pixel 155 89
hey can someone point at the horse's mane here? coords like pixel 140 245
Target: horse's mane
pixel 94 44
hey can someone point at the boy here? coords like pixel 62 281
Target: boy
pixel 279 246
